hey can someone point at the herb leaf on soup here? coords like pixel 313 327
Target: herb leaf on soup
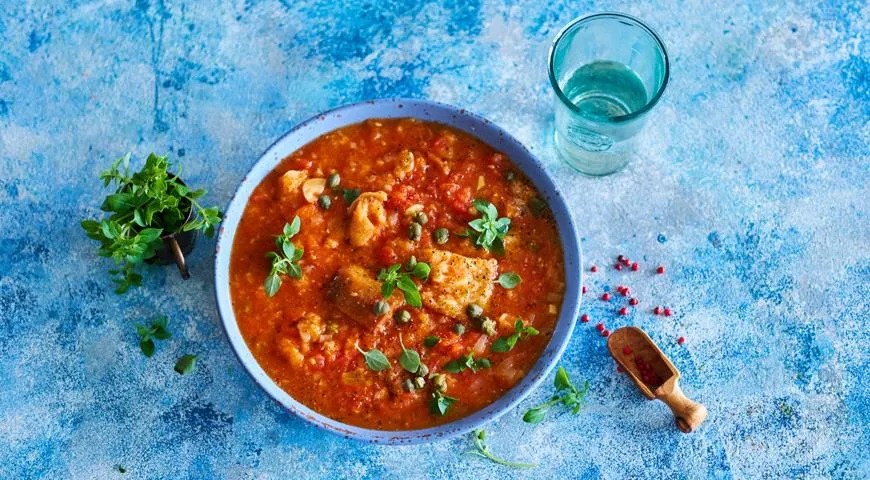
pixel 440 403
pixel 375 359
pixel 506 344
pixel 466 362
pixel 509 280
pixel 286 260
pixel 409 359
pixel 394 277
pixel 488 231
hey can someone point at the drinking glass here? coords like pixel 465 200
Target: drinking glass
pixel 608 71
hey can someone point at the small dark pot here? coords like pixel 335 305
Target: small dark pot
pixel 176 245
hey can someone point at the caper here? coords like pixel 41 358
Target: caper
pixel 415 231
pixel 459 328
pixel 333 180
pixel 439 382
pixel 419 382
pixel 537 206
pixel 408 385
pixel 509 175
pixel 488 326
pixel 380 308
pixel 422 370
pixel 441 236
pixel 421 218
pixel 402 316
pixel 324 201
pixel 412 262
pixel 474 310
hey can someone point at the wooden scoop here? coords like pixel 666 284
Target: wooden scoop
pixel 654 375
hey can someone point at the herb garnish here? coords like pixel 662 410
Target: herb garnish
pixel 350 194
pixel 409 359
pixel 571 398
pixel 185 364
pixel 509 280
pixel 392 278
pixel 440 403
pixel 506 344
pixel 157 330
pixel 431 341
pixel 145 205
pixel 483 451
pixel 465 362
pixel 285 260
pixel 375 359
pixel 488 231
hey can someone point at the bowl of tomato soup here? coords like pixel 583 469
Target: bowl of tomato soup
pixel 398 271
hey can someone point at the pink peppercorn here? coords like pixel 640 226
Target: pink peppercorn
pixel 620 369
pixel 657 310
pixel 626 262
pixel 593 269
pixel 583 290
pixel 635 267
pixel 584 318
pixel 681 340
pixel 618 266
pixel 600 327
pixel 605 297
pixel 625 291
pixel 667 312
pixel 633 301
pixel 660 270
pixel 605 333
pixel 623 311
pixel 620 258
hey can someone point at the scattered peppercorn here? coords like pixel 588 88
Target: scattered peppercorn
pixel 593 269
pixel 605 297
pixel 620 369
pixel 681 340
pixel 584 318
pixel 623 311
pixel 657 310
pixel 618 266
pixel 625 291
pixel 667 312
pixel 660 270
pixel 441 236
pixel 633 301
pixel 583 290
pixel 605 333
pixel 626 262
pixel 600 327
pixel 635 267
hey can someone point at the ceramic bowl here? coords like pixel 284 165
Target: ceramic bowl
pixel 433 112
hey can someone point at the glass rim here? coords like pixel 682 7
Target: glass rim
pixel 584 19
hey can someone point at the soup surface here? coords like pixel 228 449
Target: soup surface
pixel 470 348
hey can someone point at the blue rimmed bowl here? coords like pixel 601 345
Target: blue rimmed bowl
pixel 426 110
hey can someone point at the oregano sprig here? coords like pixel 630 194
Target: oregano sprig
pixel 566 393
pixel 465 362
pixel 144 206
pixel 286 260
pixel 506 344
pixel 156 330
pixel 482 450
pixel 394 277
pixel 488 231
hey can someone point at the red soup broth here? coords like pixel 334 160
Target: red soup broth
pixel 306 335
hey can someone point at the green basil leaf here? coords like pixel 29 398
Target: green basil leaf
pixel 292 228
pixel 561 382
pixel 288 249
pixel 376 360
pixel 535 415
pixel 454 366
pixel 185 364
pixel 273 283
pixel 500 345
pixel 431 341
pixel 482 363
pixel 147 347
pixel 410 360
pixel 509 280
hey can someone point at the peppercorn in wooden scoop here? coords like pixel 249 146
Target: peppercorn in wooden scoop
pixel 654 375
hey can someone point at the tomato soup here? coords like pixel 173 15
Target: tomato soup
pixel 396 274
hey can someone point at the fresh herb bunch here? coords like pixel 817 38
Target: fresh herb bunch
pixel 482 450
pixel 566 393
pixel 157 330
pixel 465 362
pixel 145 205
pixel 286 260
pixel 394 277
pixel 506 344
pixel 488 231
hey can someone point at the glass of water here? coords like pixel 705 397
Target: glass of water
pixel 608 70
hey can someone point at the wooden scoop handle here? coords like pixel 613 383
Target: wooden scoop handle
pixel 689 414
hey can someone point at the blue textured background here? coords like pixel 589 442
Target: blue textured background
pixel 752 189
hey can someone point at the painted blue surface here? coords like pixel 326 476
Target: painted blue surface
pixel 750 187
